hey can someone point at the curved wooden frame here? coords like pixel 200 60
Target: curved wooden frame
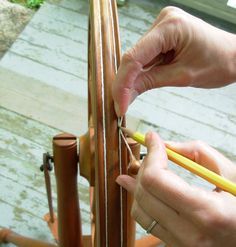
pixel 112 222
pixel 110 155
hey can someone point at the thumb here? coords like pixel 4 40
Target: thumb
pixel 156 151
pixel 127 182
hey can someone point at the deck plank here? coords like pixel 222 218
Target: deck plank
pixel 47 57
pixel 22 222
pixel 183 126
pixel 44 103
pixel 22 142
pixel 216 8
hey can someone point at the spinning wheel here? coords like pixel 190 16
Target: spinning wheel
pixel 102 155
pixel 109 201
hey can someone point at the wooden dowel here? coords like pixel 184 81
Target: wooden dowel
pixel 131 225
pixel 66 169
pixel 49 192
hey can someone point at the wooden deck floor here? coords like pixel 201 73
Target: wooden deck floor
pixel 43 91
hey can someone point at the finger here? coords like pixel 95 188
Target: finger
pixel 145 221
pixel 147 48
pixel 170 219
pixel 122 88
pixel 167 186
pixel 127 182
pixel 204 155
pixel 138 80
pixel 167 217
pixel 165 12
pixel 156 151
pixel 172 74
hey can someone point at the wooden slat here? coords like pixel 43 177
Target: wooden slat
pixel 47 57
pixel 200 110
pixel 216 8
pixel 54 42
pixel 46 74
pixel 48 104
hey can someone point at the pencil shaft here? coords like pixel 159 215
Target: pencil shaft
pixel 190 165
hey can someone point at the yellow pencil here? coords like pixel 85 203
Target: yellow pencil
pixel 189 165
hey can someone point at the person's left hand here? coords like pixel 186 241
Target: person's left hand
pixel 185 215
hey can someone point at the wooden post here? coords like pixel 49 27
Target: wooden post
pixel 66 169
pixel 131 225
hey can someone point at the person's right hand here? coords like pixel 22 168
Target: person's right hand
pixel 178 50
pixel 185 215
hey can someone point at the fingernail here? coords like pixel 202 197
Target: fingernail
pixel 118 180
pixel 152 140
pixel 148 136
pixel 117 109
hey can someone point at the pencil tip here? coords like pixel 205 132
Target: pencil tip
pixel 126 131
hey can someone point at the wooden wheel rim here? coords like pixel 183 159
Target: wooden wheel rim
pixel 104 57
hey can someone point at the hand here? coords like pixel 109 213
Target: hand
pixel 178 50
pixel 186 215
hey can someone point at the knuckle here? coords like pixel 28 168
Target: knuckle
pixel 148 81
pixel 147 179
pixel 199 145
pixel 169 10
pixel 201 240
pixel 173 14
pixel 189 76
pixel 128 57
pixel 176 19
pixel 179 21
pixel 138 194
pixel 134 212
pixel 216 220
pixel 184 76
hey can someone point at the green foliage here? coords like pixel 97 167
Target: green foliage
pixel 32 4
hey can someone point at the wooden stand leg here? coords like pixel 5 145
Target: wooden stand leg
pixel 50 217
pixel 148 241
pixel 52 225
pixel 135 147
pixel 7 236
